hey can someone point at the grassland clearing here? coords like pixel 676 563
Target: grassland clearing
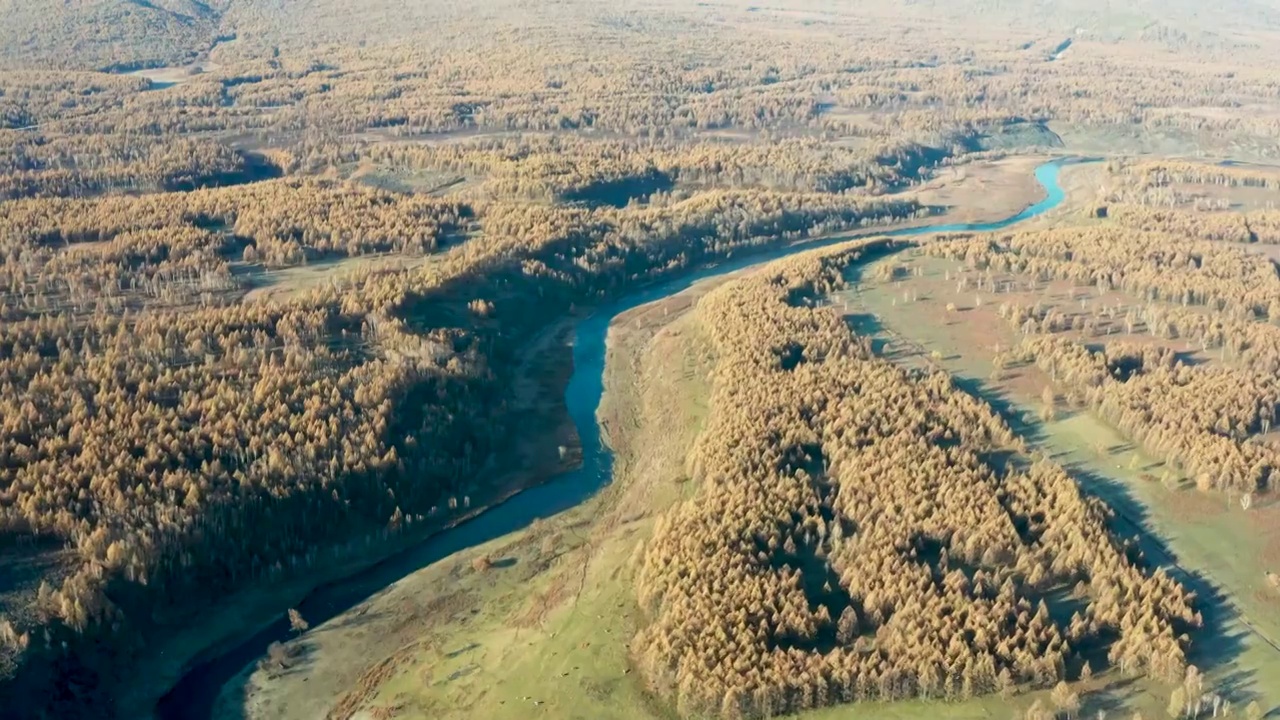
pixel 167 77
pixel 283 283
pixel 1163 141
pixel 1208 538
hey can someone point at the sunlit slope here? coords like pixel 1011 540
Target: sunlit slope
pixel 96 34
pixel 102 34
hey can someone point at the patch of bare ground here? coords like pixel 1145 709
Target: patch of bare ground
pixel 1080 182
pixel 984 191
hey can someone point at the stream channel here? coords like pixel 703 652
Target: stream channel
pixel 194 696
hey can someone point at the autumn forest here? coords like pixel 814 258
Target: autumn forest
pixel 282 287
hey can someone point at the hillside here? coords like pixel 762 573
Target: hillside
pixel 97 34
pixel 104 34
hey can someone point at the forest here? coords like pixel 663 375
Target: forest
pixel 853 538
pixel 1205 417
pixel 181 440
pixel 169 439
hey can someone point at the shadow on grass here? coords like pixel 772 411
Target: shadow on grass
pixel 464 649
pixel 1220 640
pixel 1022 422
pixel 868 326
pixel 1113 699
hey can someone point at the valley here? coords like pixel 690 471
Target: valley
pixel 668 360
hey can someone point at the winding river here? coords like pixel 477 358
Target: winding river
pixel 195 694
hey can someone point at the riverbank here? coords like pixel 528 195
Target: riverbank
pixel 193 697
pixel 543 632
pixel 233 634
pixel 521 617
pixel 538 623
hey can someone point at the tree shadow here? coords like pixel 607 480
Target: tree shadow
pixel 1220 640
pixel 464 649
pixel 1022 423
pixel 621 192
pixel 1113 699
pixel 868 326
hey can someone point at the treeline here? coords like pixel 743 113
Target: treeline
pixel 850 541
pixel 99 35
pixel 777 77
pixel 1261 226
pixel 1255 345
pixel 1170 186
pixel 33 164
pixel 572 167
pixel 765 70
pixel 1148 265
pixel 35 97
pixel 120 252
pixel 1240 340
pixel 182 446
pixel 1201 418
pixel 1167 172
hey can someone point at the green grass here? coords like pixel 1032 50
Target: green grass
pixel 555 644
pixel 548 634
pixel 1202 532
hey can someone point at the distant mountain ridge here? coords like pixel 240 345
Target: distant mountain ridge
pixel 129 34
pixel 105 34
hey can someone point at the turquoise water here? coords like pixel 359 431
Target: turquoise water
pixel 194 695
pixel 1046 174
pixel 586 386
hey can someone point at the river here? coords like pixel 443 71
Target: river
pixel 194 695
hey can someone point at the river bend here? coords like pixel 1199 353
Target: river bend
pixel 194 696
